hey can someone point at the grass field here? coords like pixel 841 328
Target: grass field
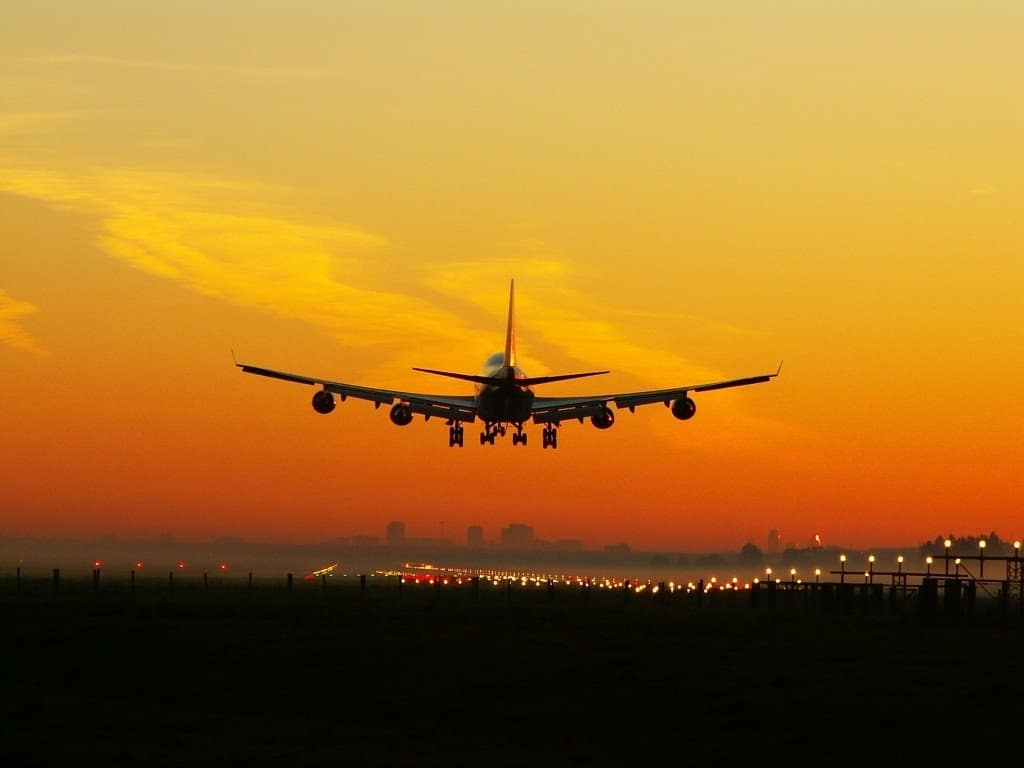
pixel 228 676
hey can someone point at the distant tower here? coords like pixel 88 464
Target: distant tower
pixel 396 532
pixel 475 536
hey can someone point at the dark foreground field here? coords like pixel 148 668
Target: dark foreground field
pixel 159 677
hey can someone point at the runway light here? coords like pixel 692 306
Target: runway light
pixel 97 564
pixel 181 565
pixel 138 563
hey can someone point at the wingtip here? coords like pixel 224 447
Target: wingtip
pixel 779 369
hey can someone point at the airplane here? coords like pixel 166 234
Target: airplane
pixel 504 397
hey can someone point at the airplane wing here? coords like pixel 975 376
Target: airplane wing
pixel 548 410
pixel 444 406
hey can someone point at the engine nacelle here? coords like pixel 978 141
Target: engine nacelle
pixel 604 419
pixel 684 408
pixel 401 414
pixel 323 402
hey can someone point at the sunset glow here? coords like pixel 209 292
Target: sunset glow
pixel 695 191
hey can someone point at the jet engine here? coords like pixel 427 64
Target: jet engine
pixel 684 408
pixel 323 402
pixel 401 414
pixel 604 419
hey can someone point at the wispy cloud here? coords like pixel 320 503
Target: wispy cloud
pixel 552 312
pixel 24 123
pixel 217 237
pixel 265 75
pixel 12 333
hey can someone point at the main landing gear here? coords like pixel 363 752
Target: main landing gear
pixel 549 438
pixel 455 435
pixel 491 431
pixel 519 438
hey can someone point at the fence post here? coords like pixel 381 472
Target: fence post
pixel 928 600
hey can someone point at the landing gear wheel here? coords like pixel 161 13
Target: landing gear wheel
pixel 455 436
pixel 550 437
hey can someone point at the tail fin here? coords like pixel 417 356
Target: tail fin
pixel 510 332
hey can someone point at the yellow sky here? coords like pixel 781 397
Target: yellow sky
pixel 682 190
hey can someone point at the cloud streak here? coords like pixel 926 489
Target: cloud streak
pixel 26 123
pixel 12 333
pixel 216 237
pixel 263 75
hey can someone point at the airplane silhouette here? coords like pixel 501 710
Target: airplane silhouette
pixel 504 397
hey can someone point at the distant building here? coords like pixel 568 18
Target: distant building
pixel 617 549
pixel 517 535
pixel 395 532
pixel 475 536
pixel 365 541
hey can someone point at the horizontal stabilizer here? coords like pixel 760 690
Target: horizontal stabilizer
pixel 562 377
pixel 460 376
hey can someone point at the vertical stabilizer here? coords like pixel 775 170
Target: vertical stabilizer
pixel 510 333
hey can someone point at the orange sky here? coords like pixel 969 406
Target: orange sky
pixel 683 191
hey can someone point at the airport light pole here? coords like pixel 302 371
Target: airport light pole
pixel 981 558
pixel 871 569
pixel 928 564
pixel 842 569
pixel 947 544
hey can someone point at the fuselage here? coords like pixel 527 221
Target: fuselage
pixel 506 400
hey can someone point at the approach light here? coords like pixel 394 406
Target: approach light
pixel 871 558
pixel 899 559
pixel 1016 546
pixel 842 558
pixel 97 564
pixel 138 563
pixel 947 543
pixel 982 544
